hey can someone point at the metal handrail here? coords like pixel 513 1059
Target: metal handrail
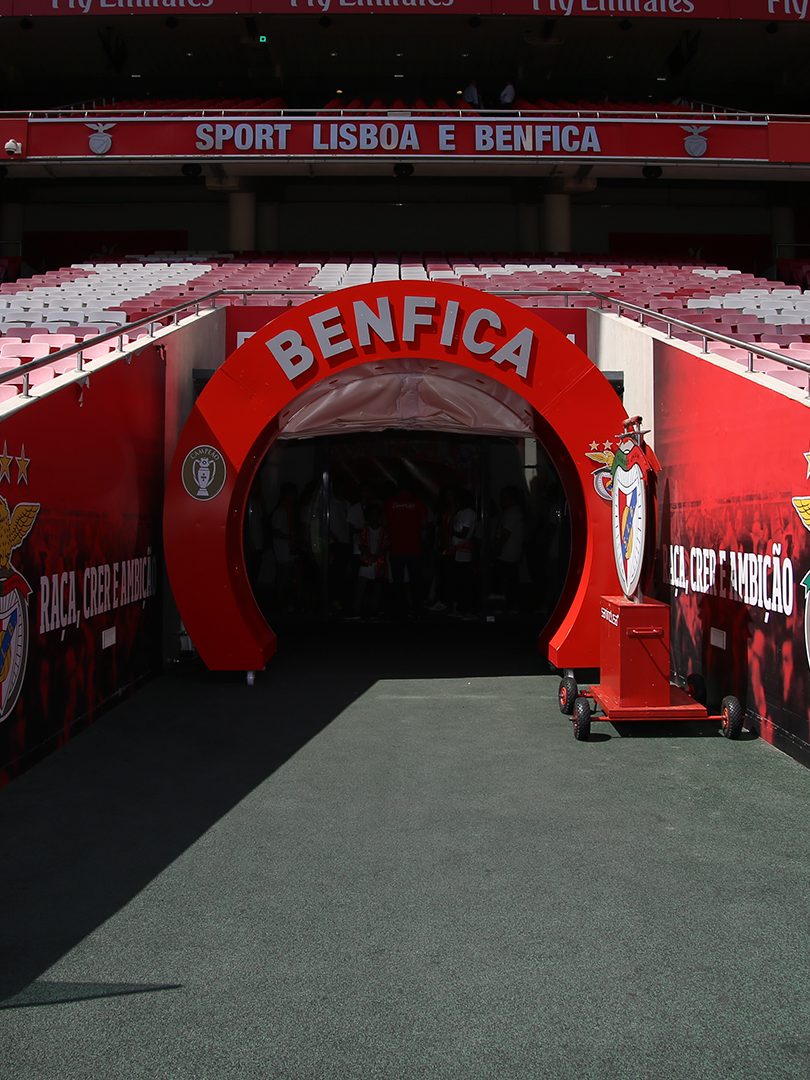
pixel 672 320
pixel 198 302
pixel 120 332
pixel 674 114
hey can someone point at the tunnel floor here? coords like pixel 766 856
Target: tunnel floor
pixel 391 859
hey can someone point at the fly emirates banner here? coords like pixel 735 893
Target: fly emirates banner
pixel 780 10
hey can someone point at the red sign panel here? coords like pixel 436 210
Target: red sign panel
pixel 396 137
pixel 779 10
pixel 735 556
pixel 80 494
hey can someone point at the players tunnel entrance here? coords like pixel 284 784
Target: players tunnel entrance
pixel 420 520
pixel 434 410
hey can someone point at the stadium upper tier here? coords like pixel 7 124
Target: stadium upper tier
pixel 347 103
pixel 50 311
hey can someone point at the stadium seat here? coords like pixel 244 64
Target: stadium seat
pixel 24 352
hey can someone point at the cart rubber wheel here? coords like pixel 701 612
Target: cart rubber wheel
pixel 696 687
pixel 567 695
pixel 582 719
pixel 731 718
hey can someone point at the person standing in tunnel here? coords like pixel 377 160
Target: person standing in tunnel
pixel 356 520
pixel 340 551
pixel 406 518
pixel 443 587
pixel 372 546
pixel 462 546
pixel 284 527
pixel 550 543
pixel 509 546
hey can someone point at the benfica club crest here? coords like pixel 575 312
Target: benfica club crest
pixel 15 525
pixel 629 506
pixel 802 507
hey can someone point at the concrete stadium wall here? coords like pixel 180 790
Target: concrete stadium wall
pixel 618 345
pixel 196 345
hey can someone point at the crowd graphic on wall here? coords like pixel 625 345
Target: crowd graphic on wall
pixel 79 557
pixel 735 544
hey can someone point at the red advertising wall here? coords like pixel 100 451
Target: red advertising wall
pixel 735 550
pixel 81 489
pixel 246 136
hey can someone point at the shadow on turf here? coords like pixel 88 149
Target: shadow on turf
pixel 639 729
pixel 94 823
pixel 47 992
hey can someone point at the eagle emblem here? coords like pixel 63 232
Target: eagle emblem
pixel 802 507
pixel 803 510
pixel 15 525
pixel 603 476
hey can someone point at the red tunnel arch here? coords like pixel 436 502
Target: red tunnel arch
pixel 236 420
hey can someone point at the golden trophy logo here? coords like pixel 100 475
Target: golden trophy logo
pixel 204 473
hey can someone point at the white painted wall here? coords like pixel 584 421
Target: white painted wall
pixel 199 342
pixel 616 344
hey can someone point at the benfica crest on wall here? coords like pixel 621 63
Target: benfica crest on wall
pixel 15 525
pixel 630 470
pixel 802 507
